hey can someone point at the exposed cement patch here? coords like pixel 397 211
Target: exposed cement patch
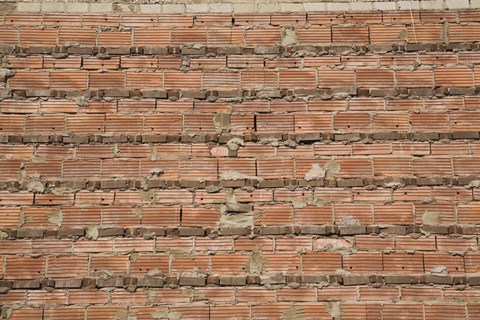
pixel 349 221
pixel 309 201
pixel 147 196
pixel 235 175
pixel 35 185
pixel 235 143
pixel 431 218
pixel 3 235
pixel 327 171
pixel 222 122
pixel 235 220
pixel 167 315
pixel 289 37
pixel 56 218
pixel 334 310
pixel 126 315
pixel 294 313
pixel 256 262
pixel 7 7
pixel 92 233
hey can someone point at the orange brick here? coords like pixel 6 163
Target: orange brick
pixel 111 79
pixel 182 37
pixel 77 36
pixel 225 37
pixel 454 77
pixel 336 78
pixel 414 78
pixel 352 121
pixel 353 213
pixel 273 215
pixel 275 123
pixel 38 37
pixel 25 268
pixel 349 35
pixel 297 79
pixel 197 216
pixel 263 37
pixel 275 168
pixel 24 79
pixel 396 213
pixel 182 80
pixel 314 36
pixel 387 34
pixel 221 80
pixel 429 121
pixel 376 78
pixel 151 37
pixel 71 80
pixel 114 38
pixel 321 262
pixel 67 267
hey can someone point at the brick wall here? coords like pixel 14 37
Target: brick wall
pixel 320 165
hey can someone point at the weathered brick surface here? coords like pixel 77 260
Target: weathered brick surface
pixel 268 166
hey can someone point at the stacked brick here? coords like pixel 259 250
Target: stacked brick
pixel 247 166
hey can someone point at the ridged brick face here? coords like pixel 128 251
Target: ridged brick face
pixel 320 165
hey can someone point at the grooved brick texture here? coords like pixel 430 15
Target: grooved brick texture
pixel 320 165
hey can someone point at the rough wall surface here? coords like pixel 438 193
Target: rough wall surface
pixel 246 166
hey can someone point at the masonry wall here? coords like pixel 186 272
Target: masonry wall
pixel 304 165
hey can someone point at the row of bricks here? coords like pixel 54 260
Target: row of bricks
pixel 218 295
pixel 313 122
pixel 175 150
pixel 201 196
pixel 201 245
pixel 243 61
pixel 243 36
pixel 312 105
pixel 242 168
pixel 248 79
pixel 245 311
pixel 397 213
pixel 275 19
pixel 57 267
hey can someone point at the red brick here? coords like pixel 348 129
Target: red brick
pixel 65 63
pixel 77 36
pixel 441 213
pixel 225 37
pixel 314 36
pixel 224 263
pixel 188 36
pixel 352 121
pixel 376 78
pixel 38 37
pixel 321 262
pixel 24 79
pixel 349 35
pixel 263 37
pixel 396 213
pixel 67 267
pixel 399 262
pixel 363 262
pixel 25 267
pixel 111 79
pixel 414 78
pixel 182 80
pixel 454 77
pixel 336 78
pixel 151 37
pixel 387 34
pixel 348 213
